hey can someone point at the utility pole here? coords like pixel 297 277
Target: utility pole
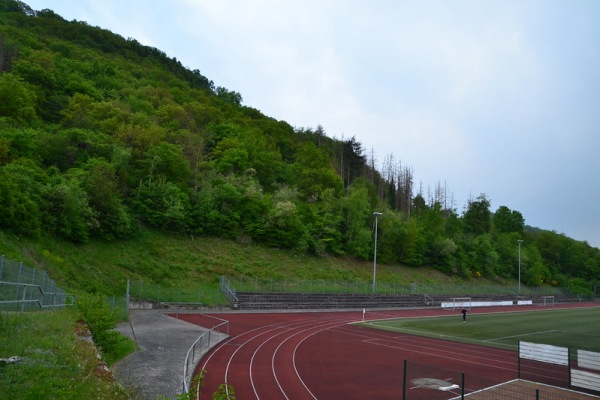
pixel 520 241
pixel 376 214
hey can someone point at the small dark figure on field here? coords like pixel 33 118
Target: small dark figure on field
pixel 464 313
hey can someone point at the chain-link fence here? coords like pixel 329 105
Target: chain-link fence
pixel 150 295
pixel 23 288
pixel 255 284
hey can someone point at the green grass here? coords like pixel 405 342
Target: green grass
pixel 54 363
pixel 194 265
pixel 575 328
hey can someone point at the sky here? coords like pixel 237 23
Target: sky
pixel 490 97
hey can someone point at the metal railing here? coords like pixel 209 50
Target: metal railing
pixel 229 291
pixel 26 289
pixel 200 346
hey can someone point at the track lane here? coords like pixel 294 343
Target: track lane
pixel 246 356
pixel 319 356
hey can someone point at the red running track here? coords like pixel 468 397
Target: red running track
pixel 297 356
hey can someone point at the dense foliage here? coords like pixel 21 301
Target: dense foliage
pixel 100 135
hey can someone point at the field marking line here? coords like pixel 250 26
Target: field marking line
pixel 451 355
pixel 422 333
pixel 524 334
pixel 432 335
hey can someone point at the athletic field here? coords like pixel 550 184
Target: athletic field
pixel 422 354
pixel 574 328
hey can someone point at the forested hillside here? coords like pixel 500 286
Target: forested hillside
pixel 101 136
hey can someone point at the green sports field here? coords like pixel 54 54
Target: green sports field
pixel 577 328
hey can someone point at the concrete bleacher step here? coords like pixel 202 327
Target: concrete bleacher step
pixel 293 300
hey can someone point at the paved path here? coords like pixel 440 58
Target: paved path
pixel 156 369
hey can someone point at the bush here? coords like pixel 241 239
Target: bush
pixel 99 318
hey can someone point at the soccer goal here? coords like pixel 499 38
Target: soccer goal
pixel 547 301
pixel 457 303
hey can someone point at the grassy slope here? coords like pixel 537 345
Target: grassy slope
pixel 53 365
pixel 187 262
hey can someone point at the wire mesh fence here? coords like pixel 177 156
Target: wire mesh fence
pixel 23 288
pixel 199 296
pixel 255 284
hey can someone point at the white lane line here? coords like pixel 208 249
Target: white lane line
pixel 521 335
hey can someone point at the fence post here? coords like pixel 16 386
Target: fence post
pixel 1 266
pixel 404 382
pixel 462 386
pixel 519 359
pixel 127 300
pixel 23 300
pixel 569 362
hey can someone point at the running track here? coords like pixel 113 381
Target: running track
pixel 310 356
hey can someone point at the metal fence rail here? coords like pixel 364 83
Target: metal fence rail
pixel 27 289
pixel 200 346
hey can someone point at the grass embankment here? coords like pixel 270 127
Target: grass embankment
pixel 54 359
pixel 575 328
pixel 193 264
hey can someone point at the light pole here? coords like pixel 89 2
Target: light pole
pixel 376 214
pixel 520 241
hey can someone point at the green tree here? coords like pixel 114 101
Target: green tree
pixel 100 183
pixel 323 220
pixel 163 205
pixel 22 195
pixel 483 256
pixel 285 227
pixel 505 220
pixel 67 210
pixel 230 157
pixel 357 214
pixel 17 143
pixel 217 207
pixel 478 218
pixel 353 160
pixel 506 245
pixel 19 212
pixel 431 223
pixel 229 96
pixel 391 238
pixel 166 161
pixel 17 100
pixel 314 174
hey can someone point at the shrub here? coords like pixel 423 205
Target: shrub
pixel 99 317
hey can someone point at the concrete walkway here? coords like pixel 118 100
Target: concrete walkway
pixel 156 369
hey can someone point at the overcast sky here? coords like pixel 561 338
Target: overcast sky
pixel 494 97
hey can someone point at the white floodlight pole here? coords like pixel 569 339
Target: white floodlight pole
pixel 376 214
pixel 520 241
